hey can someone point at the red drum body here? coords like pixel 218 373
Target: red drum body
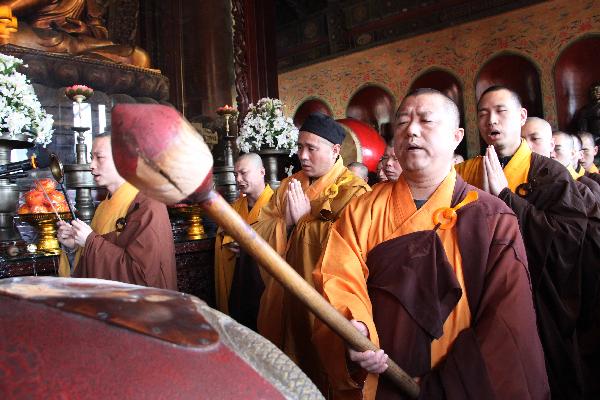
pixel 363 143
pixel 96 339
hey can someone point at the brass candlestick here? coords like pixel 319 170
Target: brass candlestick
pixel 78 176
pixel 223 172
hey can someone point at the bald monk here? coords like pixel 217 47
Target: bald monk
pixel 359 169
pixel 451 303
pixel 565 152
pixel 553 220
pixel 589 150
pixel 129 239
pixel 238 284
pixel 537 132
pixel 538 135
pixel 381 177
pixel 296 223
pixel 391 166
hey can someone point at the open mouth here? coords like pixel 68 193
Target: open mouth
pixel 494 134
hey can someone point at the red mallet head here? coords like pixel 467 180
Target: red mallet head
pixel 160 153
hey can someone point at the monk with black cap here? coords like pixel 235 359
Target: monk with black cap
pixel 296 223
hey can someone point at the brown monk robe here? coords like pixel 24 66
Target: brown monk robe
pixel 553 219
pixel 225 259
pixel 447 296
pixel 238 283
pixel 130 238
pixel 326 186
pixel 588 323
pixel 142 253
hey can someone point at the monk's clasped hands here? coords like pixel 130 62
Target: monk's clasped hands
pixel 494 180
pixel 298 204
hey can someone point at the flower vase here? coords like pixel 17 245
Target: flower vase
pixel 275 162
pixel 9 192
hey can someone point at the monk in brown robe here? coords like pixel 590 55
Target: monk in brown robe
pixel 553 217
pixel 130 238
pixel 238 283
pixel 588 323
pixel 434 270
pixel 296 223
pixel 565 152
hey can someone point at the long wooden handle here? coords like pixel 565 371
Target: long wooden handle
pixel 268 258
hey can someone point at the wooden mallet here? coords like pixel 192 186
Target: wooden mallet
pixel 159 152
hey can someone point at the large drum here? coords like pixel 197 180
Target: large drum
pixel 96 339
pixel 362 143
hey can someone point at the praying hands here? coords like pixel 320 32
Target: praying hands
pixel 298 204
pixel 494 180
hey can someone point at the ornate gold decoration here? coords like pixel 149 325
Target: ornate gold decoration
pixel 193 216
pixel 45 224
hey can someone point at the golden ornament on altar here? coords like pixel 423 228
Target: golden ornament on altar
pixel 193 216
pixel 45 225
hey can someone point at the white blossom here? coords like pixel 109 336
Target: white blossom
pixel 265 125
pixel 20 109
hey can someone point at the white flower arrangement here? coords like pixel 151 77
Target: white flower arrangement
pixel 265 125
pixel 20 110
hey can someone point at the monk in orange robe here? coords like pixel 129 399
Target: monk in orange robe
pixel 434 270
pixel 122 243
pixel 557 221
pixel 238 283
pixel 296 223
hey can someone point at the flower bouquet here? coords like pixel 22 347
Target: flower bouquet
pixel 21 113
pixel 265 126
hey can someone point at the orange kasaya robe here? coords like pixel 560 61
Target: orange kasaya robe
pixel 593 169
pixel 104 220
pixel 225 258
pixel 516 171
pixel 282 319
pixel 392 214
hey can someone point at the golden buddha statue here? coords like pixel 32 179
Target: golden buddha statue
pixel 70 26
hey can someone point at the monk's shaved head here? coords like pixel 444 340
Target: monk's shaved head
pixel 359 169
pixel 249 175
pixel 537 132
pixel 564 148
pixel 252 158
pixel 450 105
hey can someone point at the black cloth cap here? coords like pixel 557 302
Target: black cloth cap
pixel 324 126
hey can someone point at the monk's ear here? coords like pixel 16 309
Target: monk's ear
pixel 595 150
pixel 336 149
pixel 262 171
pixel 523 116
pixel 459 134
